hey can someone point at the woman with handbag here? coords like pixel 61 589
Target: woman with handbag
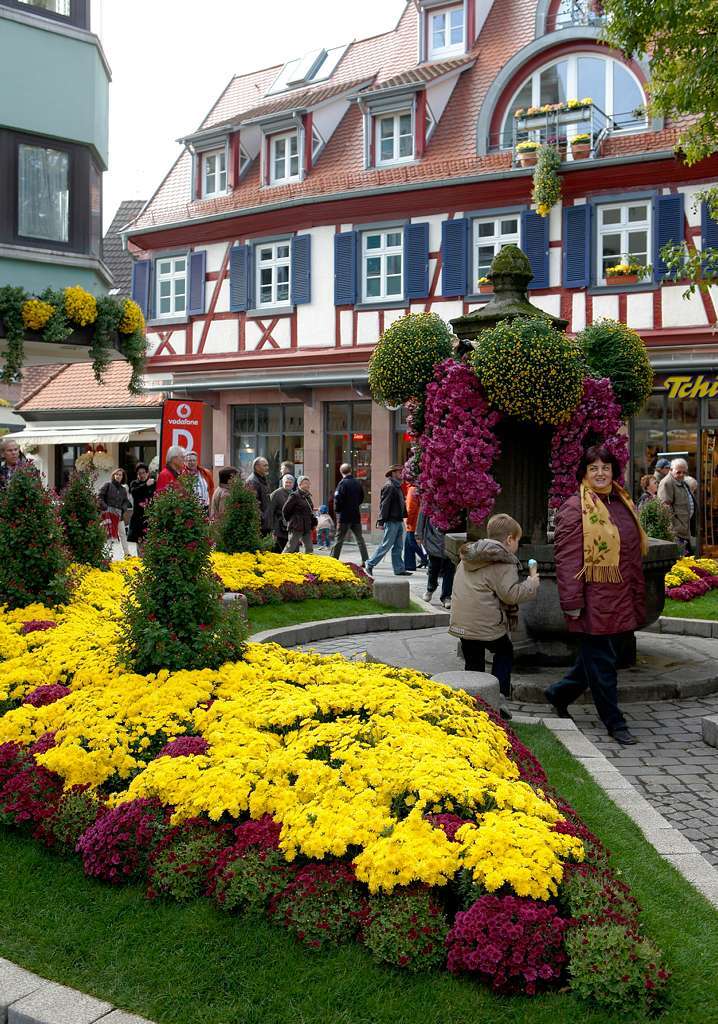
pixel 298 512
pixel 114 498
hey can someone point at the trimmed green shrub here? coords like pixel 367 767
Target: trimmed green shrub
pixel 238 529
pixel 656 520
pixel 403 361
pixel 529 370
pixel 613 350
pixel 34 563
pixel 173 615
pixel 84 533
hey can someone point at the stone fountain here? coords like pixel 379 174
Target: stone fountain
pixel 524 474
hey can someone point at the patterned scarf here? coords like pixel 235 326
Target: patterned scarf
pixel 602 538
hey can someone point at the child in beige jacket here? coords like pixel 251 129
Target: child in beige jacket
pixel 487 591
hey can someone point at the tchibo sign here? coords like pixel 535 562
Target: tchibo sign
pixel 181 426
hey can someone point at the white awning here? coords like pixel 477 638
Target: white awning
pixel 82 433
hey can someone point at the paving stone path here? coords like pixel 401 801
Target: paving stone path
pixel 670 766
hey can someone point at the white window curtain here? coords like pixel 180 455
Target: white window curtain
pixel 44 193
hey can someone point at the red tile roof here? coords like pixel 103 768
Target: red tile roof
pixel 391 58
pixel 422 74
pixel 74 387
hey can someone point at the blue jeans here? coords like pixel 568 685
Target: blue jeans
pixel 392 541
pixel 412 548
pixel 323 537
pixel 595 667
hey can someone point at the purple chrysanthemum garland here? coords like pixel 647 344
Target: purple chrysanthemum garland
pixel 598 414
pixel 458 447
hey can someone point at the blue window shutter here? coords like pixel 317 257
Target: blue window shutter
pixel 577 246
pixel 345 268
pixel 238 278
pixel 535 243
pixel 196 289
pixel 141 276
pixel 709 229
pixel 301 269
pixel 455 256
pixel 416 261
pixel 667 227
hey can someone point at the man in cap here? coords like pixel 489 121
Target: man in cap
pixel 663 468
pixel 392 512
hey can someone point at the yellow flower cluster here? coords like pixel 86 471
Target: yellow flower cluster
pixel 80 306
pixel 682 570
pixel 36 313
pixel 348 756
pixel 254 570
pixel 132 318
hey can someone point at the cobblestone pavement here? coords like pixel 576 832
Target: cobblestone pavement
pixel 670 766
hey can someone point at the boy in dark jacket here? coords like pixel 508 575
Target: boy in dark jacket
pixel 392 512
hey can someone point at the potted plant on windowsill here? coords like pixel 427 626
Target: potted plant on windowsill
pixel 581 146
pixel 625 272
pixel 485 286
pixel 527 153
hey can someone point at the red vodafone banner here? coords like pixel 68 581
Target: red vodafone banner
pixel 182 426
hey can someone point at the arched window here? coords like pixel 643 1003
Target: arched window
pixel 617 96
pixel 574 12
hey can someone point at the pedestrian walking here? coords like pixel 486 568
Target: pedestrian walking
pixel 325 525
pixel 487 593
pixel 676 495
pixel 142 490
pixel 172 470
pixel 299 516
pixel 258 482
pixel 201 479
pixel 277 501
pixel 440 567
pixel 599 570
pixel 219 498
pixel 412 548
pixel 114 498
pixel 348 500
pixel 392 512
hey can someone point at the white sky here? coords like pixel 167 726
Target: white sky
pixel 170 60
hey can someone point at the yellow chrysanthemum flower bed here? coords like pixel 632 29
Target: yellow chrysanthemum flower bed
pixel 683 571
pixel 347 756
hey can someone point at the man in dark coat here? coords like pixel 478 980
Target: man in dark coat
pixel 348 499
pixel 142 490
pixel 299 516
pixel 392 512
pixel 258 482
pixel 277 501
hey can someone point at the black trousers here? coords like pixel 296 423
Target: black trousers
pixel 474 652
pixel 443 567
pixel 342 531
pixel 595 667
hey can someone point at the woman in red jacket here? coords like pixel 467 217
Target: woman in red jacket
pixel 599 546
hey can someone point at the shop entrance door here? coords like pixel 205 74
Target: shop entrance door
pixel 709 492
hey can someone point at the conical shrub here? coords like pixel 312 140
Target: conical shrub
pixel 238 529
pixel 85 535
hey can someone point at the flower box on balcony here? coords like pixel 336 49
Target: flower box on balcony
pixel 485 286
pixel 625 273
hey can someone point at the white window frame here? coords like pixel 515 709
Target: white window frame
pixel 623 228
pixel 449 49
pixel 218 158
pixel 317 143
pixel 174 276
pixel 274 263
pixel 395 117
pixel 288 138
pixel 572 89
pixel 498 239
pixel 382 253
pixel 244 160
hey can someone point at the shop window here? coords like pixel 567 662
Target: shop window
pixel 275 432
pixel 491 234
pixel 65 457
pixel 348 439
pixel 394 138
pixel 623 235
pixel 273 261
pixel 382 265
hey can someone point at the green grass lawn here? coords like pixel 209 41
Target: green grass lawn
pixel 289 613
pixel 180 964
pixel 704 607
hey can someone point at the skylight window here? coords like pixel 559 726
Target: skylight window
pixel 306 68
pixel 316 66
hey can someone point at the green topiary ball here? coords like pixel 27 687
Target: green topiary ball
pixel 614 350
pixel 403 361
pixel 529 370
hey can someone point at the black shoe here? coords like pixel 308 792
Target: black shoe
pixel 623 736
pixel 560 709
pixel 368 569
pixel 505 713
pixel 404 573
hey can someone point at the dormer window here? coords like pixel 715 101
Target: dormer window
pixel 447 32
pixel 284 158
pixel 394 138
pixel 214 173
